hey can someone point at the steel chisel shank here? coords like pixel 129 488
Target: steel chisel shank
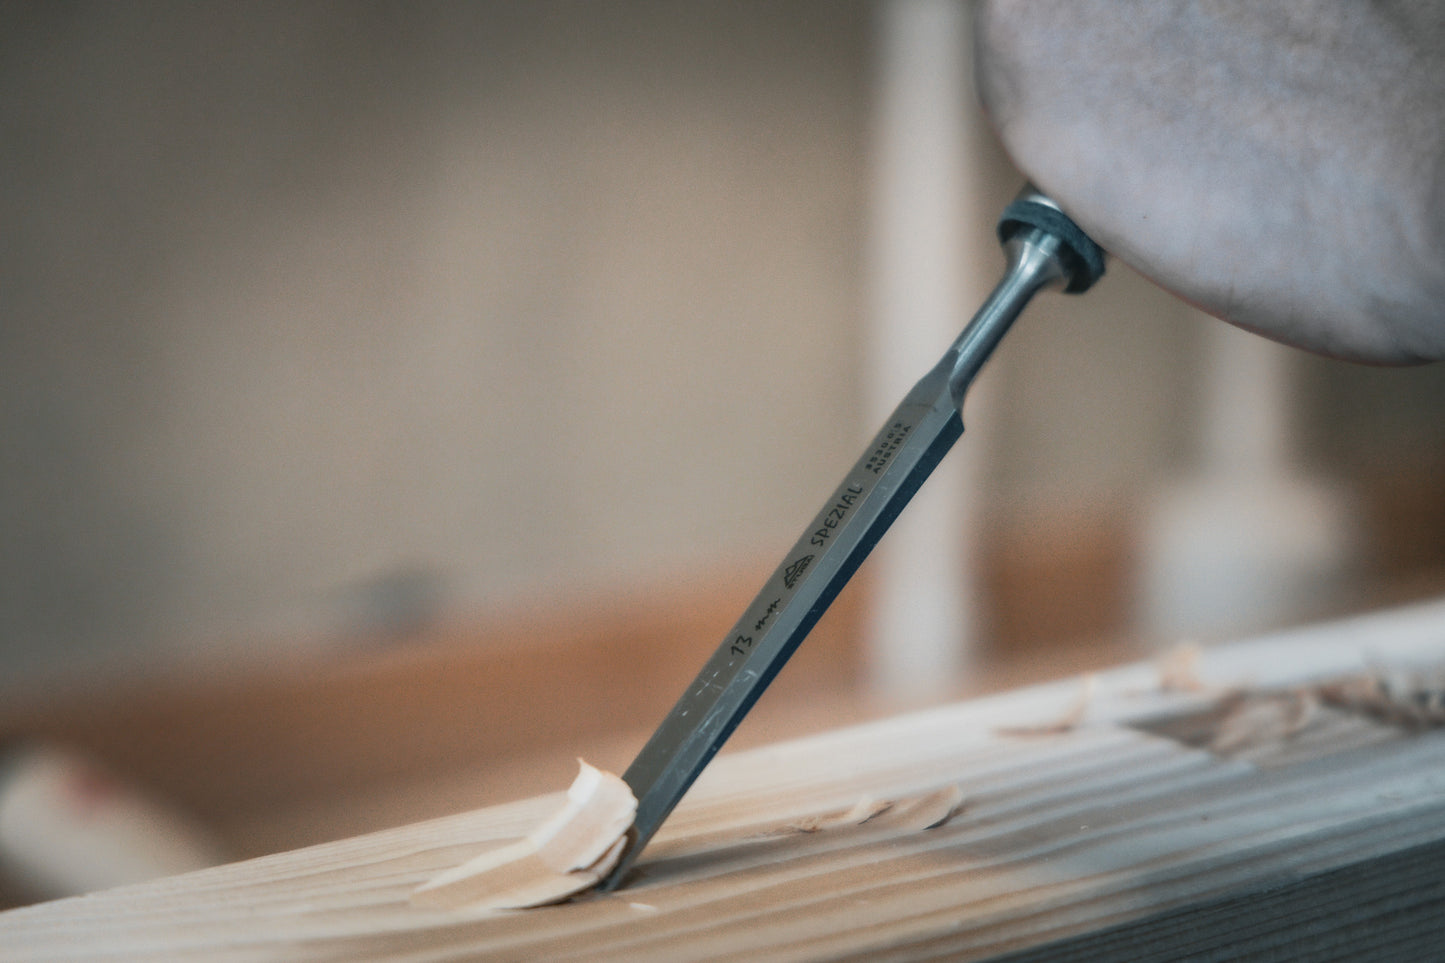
pixel 1044 248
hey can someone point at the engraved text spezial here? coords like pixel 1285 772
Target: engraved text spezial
pixel 835 514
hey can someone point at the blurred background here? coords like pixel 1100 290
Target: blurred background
pixel 393 395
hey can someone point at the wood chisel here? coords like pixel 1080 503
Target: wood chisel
pixel 1044 249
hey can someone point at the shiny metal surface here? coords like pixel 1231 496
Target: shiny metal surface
pixel 892 468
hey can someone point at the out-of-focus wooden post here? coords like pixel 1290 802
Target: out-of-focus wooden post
pixel 925 282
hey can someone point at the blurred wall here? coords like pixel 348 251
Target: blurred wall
pixel 313 315
pixel 304 304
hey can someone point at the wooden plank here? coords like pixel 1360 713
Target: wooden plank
pixel 1109 832
pixel 1386 909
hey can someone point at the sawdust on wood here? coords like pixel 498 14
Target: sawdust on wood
pixel 571 852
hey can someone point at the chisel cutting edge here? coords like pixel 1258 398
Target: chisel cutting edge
pixel 1044 249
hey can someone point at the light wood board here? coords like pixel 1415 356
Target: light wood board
pixel 1109 841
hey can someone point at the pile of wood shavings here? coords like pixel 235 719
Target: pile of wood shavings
pixel 1251 718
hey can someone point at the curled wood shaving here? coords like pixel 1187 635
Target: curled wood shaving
pixel 597 814
pixel 1256 722
pixel 1067 722
pixel 928 811
pixel 865 809
pixel 1254 719
pixel 1179 669
pixel 571 852
pixel 1411 700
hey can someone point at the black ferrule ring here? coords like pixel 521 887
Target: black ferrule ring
pixel 1083 259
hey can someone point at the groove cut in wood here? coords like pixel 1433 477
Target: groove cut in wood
pixel 566 855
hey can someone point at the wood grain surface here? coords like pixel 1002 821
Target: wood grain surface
pixel 1114 839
